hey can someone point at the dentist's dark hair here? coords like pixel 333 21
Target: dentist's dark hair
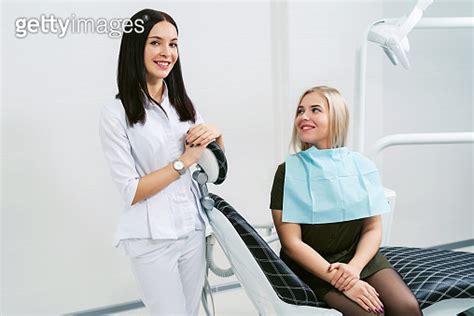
pixel 131 73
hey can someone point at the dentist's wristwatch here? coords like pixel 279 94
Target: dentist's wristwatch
pixel 178 165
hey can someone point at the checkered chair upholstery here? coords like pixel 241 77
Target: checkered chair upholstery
pixel 286 284
pixel 433 275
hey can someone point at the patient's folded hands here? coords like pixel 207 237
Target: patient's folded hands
pixel 345 277
pixel 365 295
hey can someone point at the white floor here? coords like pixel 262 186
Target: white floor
pixel 229 303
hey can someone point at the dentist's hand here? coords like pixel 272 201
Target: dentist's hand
pixel 192 154
pixel 202 134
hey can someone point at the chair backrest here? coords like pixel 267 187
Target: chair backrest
pixel 264 276
pixel 269 283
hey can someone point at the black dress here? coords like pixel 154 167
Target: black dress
pixel 335 242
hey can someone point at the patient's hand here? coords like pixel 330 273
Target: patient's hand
pixel 345 277
pixel 365 295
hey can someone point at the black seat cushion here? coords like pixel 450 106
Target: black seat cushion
pixel 432 274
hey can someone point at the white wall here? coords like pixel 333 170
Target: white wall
pixel 59 206
pixel 434 184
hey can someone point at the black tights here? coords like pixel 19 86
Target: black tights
pixel 395 295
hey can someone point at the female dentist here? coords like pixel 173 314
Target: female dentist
pixel 151 134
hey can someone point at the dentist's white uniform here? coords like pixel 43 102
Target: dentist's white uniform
pixel 164 234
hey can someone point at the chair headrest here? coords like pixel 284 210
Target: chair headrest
pixel 213 163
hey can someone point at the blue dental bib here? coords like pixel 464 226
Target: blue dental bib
pixel 331 185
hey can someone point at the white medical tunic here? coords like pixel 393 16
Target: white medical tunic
pixel 133 152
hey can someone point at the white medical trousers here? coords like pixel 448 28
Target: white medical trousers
pixel 170 273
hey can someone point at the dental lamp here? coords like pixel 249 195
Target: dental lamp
pixel 392 35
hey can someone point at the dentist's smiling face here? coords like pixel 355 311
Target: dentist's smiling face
pixel 312 120
pixel 161 51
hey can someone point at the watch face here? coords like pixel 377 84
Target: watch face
pixel 178 165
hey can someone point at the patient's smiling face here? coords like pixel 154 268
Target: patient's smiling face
pixel 312 120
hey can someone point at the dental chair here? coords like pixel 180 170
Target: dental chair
pixel 442 280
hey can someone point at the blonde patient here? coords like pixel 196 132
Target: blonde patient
pixel 340 261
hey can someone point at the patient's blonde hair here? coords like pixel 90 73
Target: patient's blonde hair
pixel 338 119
